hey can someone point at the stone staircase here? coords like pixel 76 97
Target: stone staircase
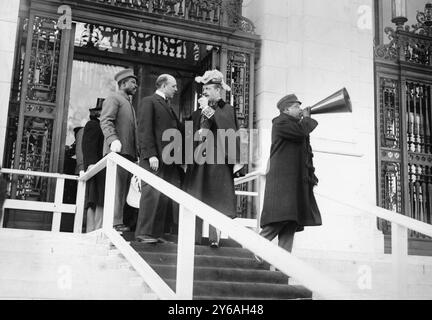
pixel 228 273
pixel 45 265
pixel 370 276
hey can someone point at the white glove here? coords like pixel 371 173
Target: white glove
pixel 203 102
pixel 154 163
pixel 116 146
pixel 238 167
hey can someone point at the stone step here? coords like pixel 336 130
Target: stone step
pixel 80 290
pixel 225 274
pixel 204 261
pixel 247 290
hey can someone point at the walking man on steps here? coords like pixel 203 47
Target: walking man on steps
pixel 118 124
pixel 289 202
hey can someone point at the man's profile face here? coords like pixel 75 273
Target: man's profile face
pixel 130 86
pixel 294 111
pixel 170 88
pixel 212 92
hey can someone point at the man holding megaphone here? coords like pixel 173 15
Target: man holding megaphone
pixel 289 202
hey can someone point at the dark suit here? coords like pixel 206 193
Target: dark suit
pixel 155 116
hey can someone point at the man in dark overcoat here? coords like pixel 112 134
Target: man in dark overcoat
pixel 118 124
pixel 289 202
pixel 211 181
pixel 156 116
pixel 92 149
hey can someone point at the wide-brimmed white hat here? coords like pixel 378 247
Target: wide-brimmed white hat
pixel 213 77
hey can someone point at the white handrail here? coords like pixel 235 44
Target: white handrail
pixel 57 207
pixel 385 214
pixel 38 174
pixel 399 219
pixel 281 259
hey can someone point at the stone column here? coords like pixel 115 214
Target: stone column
pixel 8 25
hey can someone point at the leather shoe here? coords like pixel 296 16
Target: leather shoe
pixel 214 245
pixel 121 228
pixel 146 239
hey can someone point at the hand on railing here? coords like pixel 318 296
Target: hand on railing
pixel 116 146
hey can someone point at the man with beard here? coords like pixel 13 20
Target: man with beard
pixel 118 124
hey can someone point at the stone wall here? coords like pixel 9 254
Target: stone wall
pixel 8 25
pixel 314 48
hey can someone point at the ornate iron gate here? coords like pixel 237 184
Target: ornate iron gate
pixel 404 122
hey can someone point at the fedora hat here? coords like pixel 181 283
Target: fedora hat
pixel 287 101
pixel 125 74
pixel 99 104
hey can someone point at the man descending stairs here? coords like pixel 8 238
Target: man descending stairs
pixel 228 273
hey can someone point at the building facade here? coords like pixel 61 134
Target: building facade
pixel 61 56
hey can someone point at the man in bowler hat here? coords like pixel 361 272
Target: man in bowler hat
pixel 118 124
pixel 289 202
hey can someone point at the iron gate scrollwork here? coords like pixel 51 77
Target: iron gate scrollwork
pixel 404 125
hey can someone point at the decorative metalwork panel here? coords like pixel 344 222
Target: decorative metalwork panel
pixel 125 41
pixel 238 77
pixel 31 122
pixel 420 193
pixel 216 12
pixel 389 114
pixel 44 59
pixel 405 46
pixel 35 156
pixel 418 118
pixel 391 191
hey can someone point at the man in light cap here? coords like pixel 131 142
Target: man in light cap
pixel 118 124
pixel 289 202
pixel 213 183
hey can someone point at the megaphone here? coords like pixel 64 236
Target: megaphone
pixel 338 102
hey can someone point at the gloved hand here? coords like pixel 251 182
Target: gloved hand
pixel 203 102
pixel 307 112
pixel 239 171
pixel 154 163
pixel 116 146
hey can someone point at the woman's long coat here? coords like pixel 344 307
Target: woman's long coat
pixel 213 184
pixel 291 178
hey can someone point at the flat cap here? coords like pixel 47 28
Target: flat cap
pixel 287 101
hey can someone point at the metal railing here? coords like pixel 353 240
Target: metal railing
pixel 400 225
pixel 57 207
pixel 190 208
